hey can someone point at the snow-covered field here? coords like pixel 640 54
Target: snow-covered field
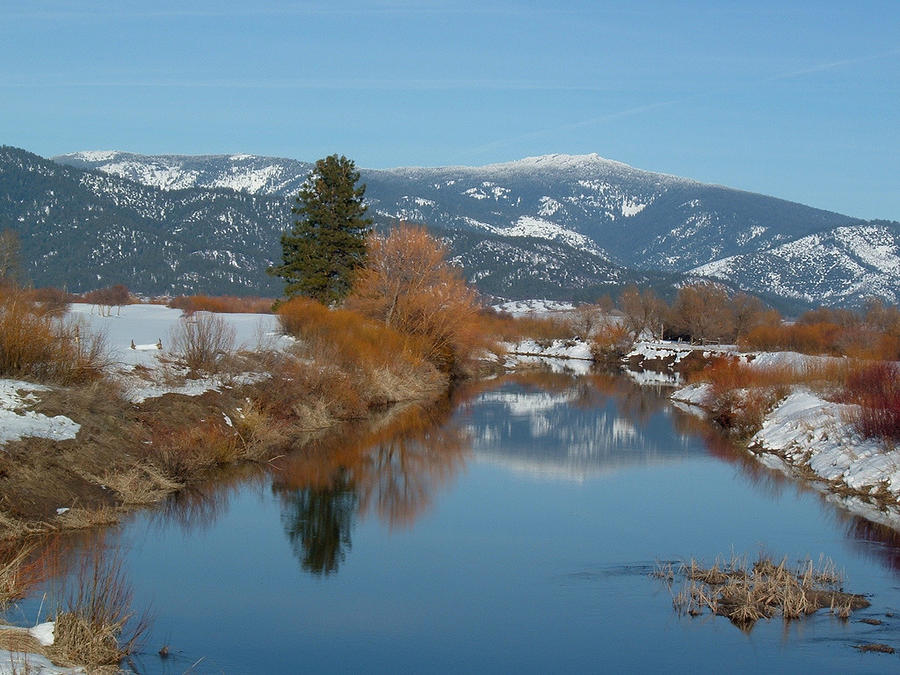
pixel 146 327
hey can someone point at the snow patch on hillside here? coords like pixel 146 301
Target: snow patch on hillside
pixel 248 179
pixel 631 208
pixel 529 226
pixel 96 155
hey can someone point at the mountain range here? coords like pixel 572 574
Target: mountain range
pixel 557 226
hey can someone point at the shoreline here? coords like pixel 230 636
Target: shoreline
pixel 803 436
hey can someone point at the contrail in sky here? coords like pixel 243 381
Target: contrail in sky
pixel 638 110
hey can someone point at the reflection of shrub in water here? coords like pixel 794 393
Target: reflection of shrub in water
pixel 392 466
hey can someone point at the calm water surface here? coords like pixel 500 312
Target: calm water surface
pixel 512 530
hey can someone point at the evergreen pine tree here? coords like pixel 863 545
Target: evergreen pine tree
pixel 328 240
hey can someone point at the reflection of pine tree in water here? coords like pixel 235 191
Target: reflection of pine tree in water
pixel 318 522
pixel 391 466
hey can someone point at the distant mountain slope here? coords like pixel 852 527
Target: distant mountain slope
pixel 636 218
pixel 559 226
pixel 839 266
pixel 83 229
pixel 244 173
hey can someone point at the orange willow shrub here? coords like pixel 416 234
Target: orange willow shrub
pixel 510 328
pixel 36 346
pixel 858 340
pixel 344 336
pixel 408 286
pixel 54 301
pixel 223 304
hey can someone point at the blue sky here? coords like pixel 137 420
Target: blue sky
pixel 796 99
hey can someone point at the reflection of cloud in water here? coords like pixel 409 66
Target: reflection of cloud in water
pixel 545 434
pixel 524 403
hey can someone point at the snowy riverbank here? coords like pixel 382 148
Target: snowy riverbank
pixel 572 356
pixel 805 435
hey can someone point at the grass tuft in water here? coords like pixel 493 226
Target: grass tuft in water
pixel 747 593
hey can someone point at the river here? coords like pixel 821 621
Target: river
pixel 511 529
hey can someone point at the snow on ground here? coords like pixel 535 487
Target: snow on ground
pixel 138 389
pixel 569 356
pixel 146 325
pixel 149 326
pixel 16 423
pixel 660 349
pixel 17 662
pixel 559 349
pixel 694 394
pixel 805 429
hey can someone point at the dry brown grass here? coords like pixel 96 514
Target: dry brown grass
pixel 87 518
pixel 94 624
pixel 185 452
pixel 876 647
pixel 20 642
pixel 142 484
pixel 18 571
pixel 745 594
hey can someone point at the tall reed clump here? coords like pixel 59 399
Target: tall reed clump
pixel 95 624
pixel 610 342
pixel 875 388
pixel 37 346
pixel 745 594
pixel 18 571
pixel 204 341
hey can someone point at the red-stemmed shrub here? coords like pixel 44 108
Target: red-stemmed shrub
pixel 876 388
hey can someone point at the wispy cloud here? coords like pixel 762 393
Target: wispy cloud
pixel 649 107
pixel 336 84
pixel 119 10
